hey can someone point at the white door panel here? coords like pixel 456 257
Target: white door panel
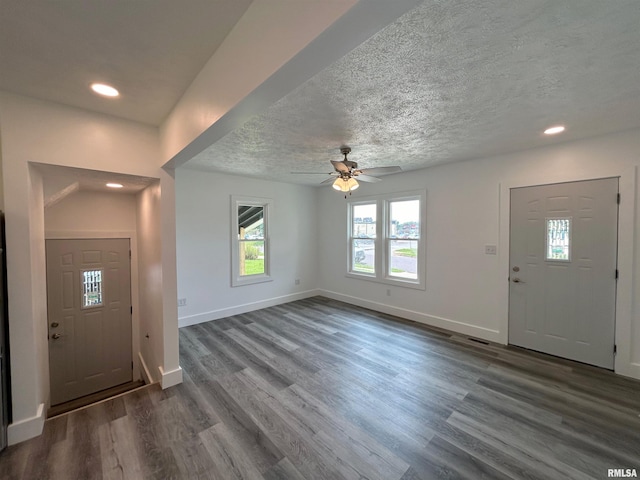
pixel 89 312
pixel 563 253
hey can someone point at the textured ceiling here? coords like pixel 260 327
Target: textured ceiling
pixel 150 49
pixel 449 81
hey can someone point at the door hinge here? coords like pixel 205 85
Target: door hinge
pixel 130 250
pixel 615 349
pixel 131 309
pixel 616 273
pixel 618 199
pixel 131 365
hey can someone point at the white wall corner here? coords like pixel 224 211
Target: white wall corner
pixel 431 320
pixel 170 378
pixel 28 428
pixel 144 370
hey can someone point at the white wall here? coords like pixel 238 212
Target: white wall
pixel 203 204
pixel 44 132
pixel 88 211
pixel 92 214
pixel 467 208
pixel 150 261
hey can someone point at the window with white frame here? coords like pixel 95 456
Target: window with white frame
pixel 386 239
pixel 250 240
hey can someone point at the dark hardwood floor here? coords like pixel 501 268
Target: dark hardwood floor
pixel 318 389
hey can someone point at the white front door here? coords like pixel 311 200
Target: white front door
pixel 563 260
pixel 89 314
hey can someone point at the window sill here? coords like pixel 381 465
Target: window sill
pixel 250 280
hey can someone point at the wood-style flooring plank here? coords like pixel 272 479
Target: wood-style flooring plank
pixel 319 389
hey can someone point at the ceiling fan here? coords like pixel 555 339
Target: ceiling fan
pixel 346 172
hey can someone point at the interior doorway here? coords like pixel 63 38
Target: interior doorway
pixel 89 316
pixel 563 269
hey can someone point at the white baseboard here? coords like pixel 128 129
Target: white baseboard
pixel 28 428
pixel 244 308
pixel 633 371
pixel 432 320
pixel 170 378
pixel 146 373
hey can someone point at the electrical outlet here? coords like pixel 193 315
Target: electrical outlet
pixel 297 281
pixel 490 250
pixel 182 302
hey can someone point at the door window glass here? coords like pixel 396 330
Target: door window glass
pixel 559 239
pixel 91 288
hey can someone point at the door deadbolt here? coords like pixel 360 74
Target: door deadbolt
pixel 516 269
pixel 55 325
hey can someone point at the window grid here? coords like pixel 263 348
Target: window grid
pixel 391 250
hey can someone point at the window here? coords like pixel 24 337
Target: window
pixel 91 288
pixel 559 239
pixel 386 239
pixel 250 240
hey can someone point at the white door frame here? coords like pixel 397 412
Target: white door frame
pixel 135 303
pixel 626 237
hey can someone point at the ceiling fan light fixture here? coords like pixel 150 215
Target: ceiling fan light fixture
pixel 340 185
pixel 345 184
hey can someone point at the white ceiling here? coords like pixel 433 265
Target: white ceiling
pixel 151 49
pixel 450 80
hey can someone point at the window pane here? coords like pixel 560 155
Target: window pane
pixel 364 221
pixel 403 259
pixel 251 257
pixel 251 222
pixel 91 288
pixel 558 239
pixel 404 219
pixel 363 256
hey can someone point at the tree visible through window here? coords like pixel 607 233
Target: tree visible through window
pixel 250 240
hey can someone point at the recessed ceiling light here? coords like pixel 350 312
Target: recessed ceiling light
pixel 106 90
pixel 114 185
pixel 554 130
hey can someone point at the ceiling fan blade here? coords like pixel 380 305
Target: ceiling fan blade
pixel 328 180
pixel 340 167
pixel 311 173
pixel 381 170
pixel 366 178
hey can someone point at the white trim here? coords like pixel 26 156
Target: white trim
pixel 382 240
pixel 146 374
pixel 238 280
pixel 27 428
pixel 247 307
pixel 626 265
pixel 170 378
pixel 432 320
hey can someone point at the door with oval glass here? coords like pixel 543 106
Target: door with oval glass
pixel 563 259
pixel 89 314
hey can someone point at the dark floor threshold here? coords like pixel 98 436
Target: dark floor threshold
pixel 93 398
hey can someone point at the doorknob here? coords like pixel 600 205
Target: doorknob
pixel 56 336
pixel 517 280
